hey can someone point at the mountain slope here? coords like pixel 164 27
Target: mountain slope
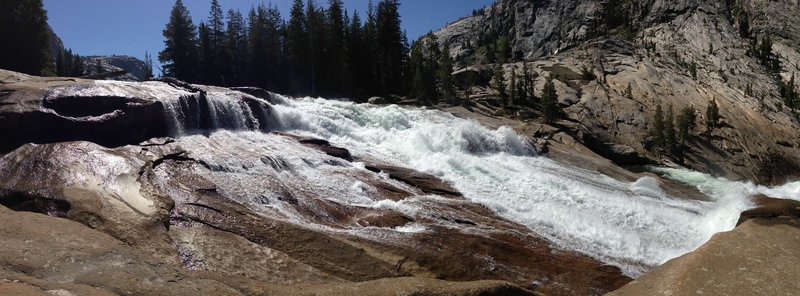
pixel 679 53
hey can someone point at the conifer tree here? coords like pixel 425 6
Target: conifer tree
pixel 712 116
pixel 390 47
pixel 549 101
pixel 530 86
pixel 297 47
pixel 236 47
pixel 336 67
pixel 685 122
pixel 148 66
pixel 357 58
pixel 24 41
pixel 669 131
pixel 658 127
pixel 513 95
pixel 180 48
pixel 207 56
pixel 499 82
pixel 503 49
pixel 446 82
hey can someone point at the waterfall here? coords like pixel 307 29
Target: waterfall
pixel 212 110
pixel 633 225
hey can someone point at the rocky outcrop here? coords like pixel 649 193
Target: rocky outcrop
pixel 54 256
pixel 668 53
pixel 229 208
pixel 757 258
pixel 134 68
pixel 48 110
pixel 204 203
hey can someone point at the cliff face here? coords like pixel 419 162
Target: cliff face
pixel 678 53
pixel 104 64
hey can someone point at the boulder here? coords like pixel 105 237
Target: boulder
pixel 377 100
pixel 758 257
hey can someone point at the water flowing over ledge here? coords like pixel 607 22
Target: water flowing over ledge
pixel 633 225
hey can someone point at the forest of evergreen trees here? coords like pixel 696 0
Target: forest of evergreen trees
pixel 319 51
pixel 24 42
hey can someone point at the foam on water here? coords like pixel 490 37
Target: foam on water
pixel 634 225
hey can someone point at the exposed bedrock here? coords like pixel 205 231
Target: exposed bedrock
pixel 113 113
pixel 247 211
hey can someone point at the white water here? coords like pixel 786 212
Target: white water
pixel 632 225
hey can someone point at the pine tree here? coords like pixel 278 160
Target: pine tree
pixel 218 60
pixel 216 26
pixel 446 82
pixel 297 46
pixel 685 122
pixel 24 41
pixel 712 116
pixel 658 127
pixel 236 47
pixel 357 58
pixel 180 48
pixel 513 95
pixel 424 58
pixel 549 101
pixel 669 131
pixel 503 49
pixel 499 82
pixel 390 47
pixel 336 67
pixel 207 56
pixel 148 66
pixel 530 86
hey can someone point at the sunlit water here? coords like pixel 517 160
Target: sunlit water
pixel 634 225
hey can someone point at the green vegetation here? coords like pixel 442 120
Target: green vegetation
pixel 549 101
pixel 317 51
pixel 712 116
pixel 499 82
pixel 670 141
pixel 24 41
pixel 69 64
pixel 445 74
pixel 789 94
pixel 669 133
pixel 685 123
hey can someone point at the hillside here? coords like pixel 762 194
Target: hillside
pixel 679 53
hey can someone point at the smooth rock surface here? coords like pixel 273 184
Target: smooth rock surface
pixel 759 257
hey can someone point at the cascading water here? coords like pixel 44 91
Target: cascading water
pixel 213 110
pixel 634 225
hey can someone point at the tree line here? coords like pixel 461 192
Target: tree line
pixel 319 51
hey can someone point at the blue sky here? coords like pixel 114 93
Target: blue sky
pixel 133 27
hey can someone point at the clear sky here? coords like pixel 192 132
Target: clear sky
pixel 133 27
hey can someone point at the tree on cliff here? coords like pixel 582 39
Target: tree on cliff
pixel 669 131
pixel 180 53
pixel 24 41
pixel 712 116
pixel 445 73
pixel 658 127
pixel 685 122
pixel 549 101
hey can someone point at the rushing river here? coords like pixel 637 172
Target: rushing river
pixel 633 225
